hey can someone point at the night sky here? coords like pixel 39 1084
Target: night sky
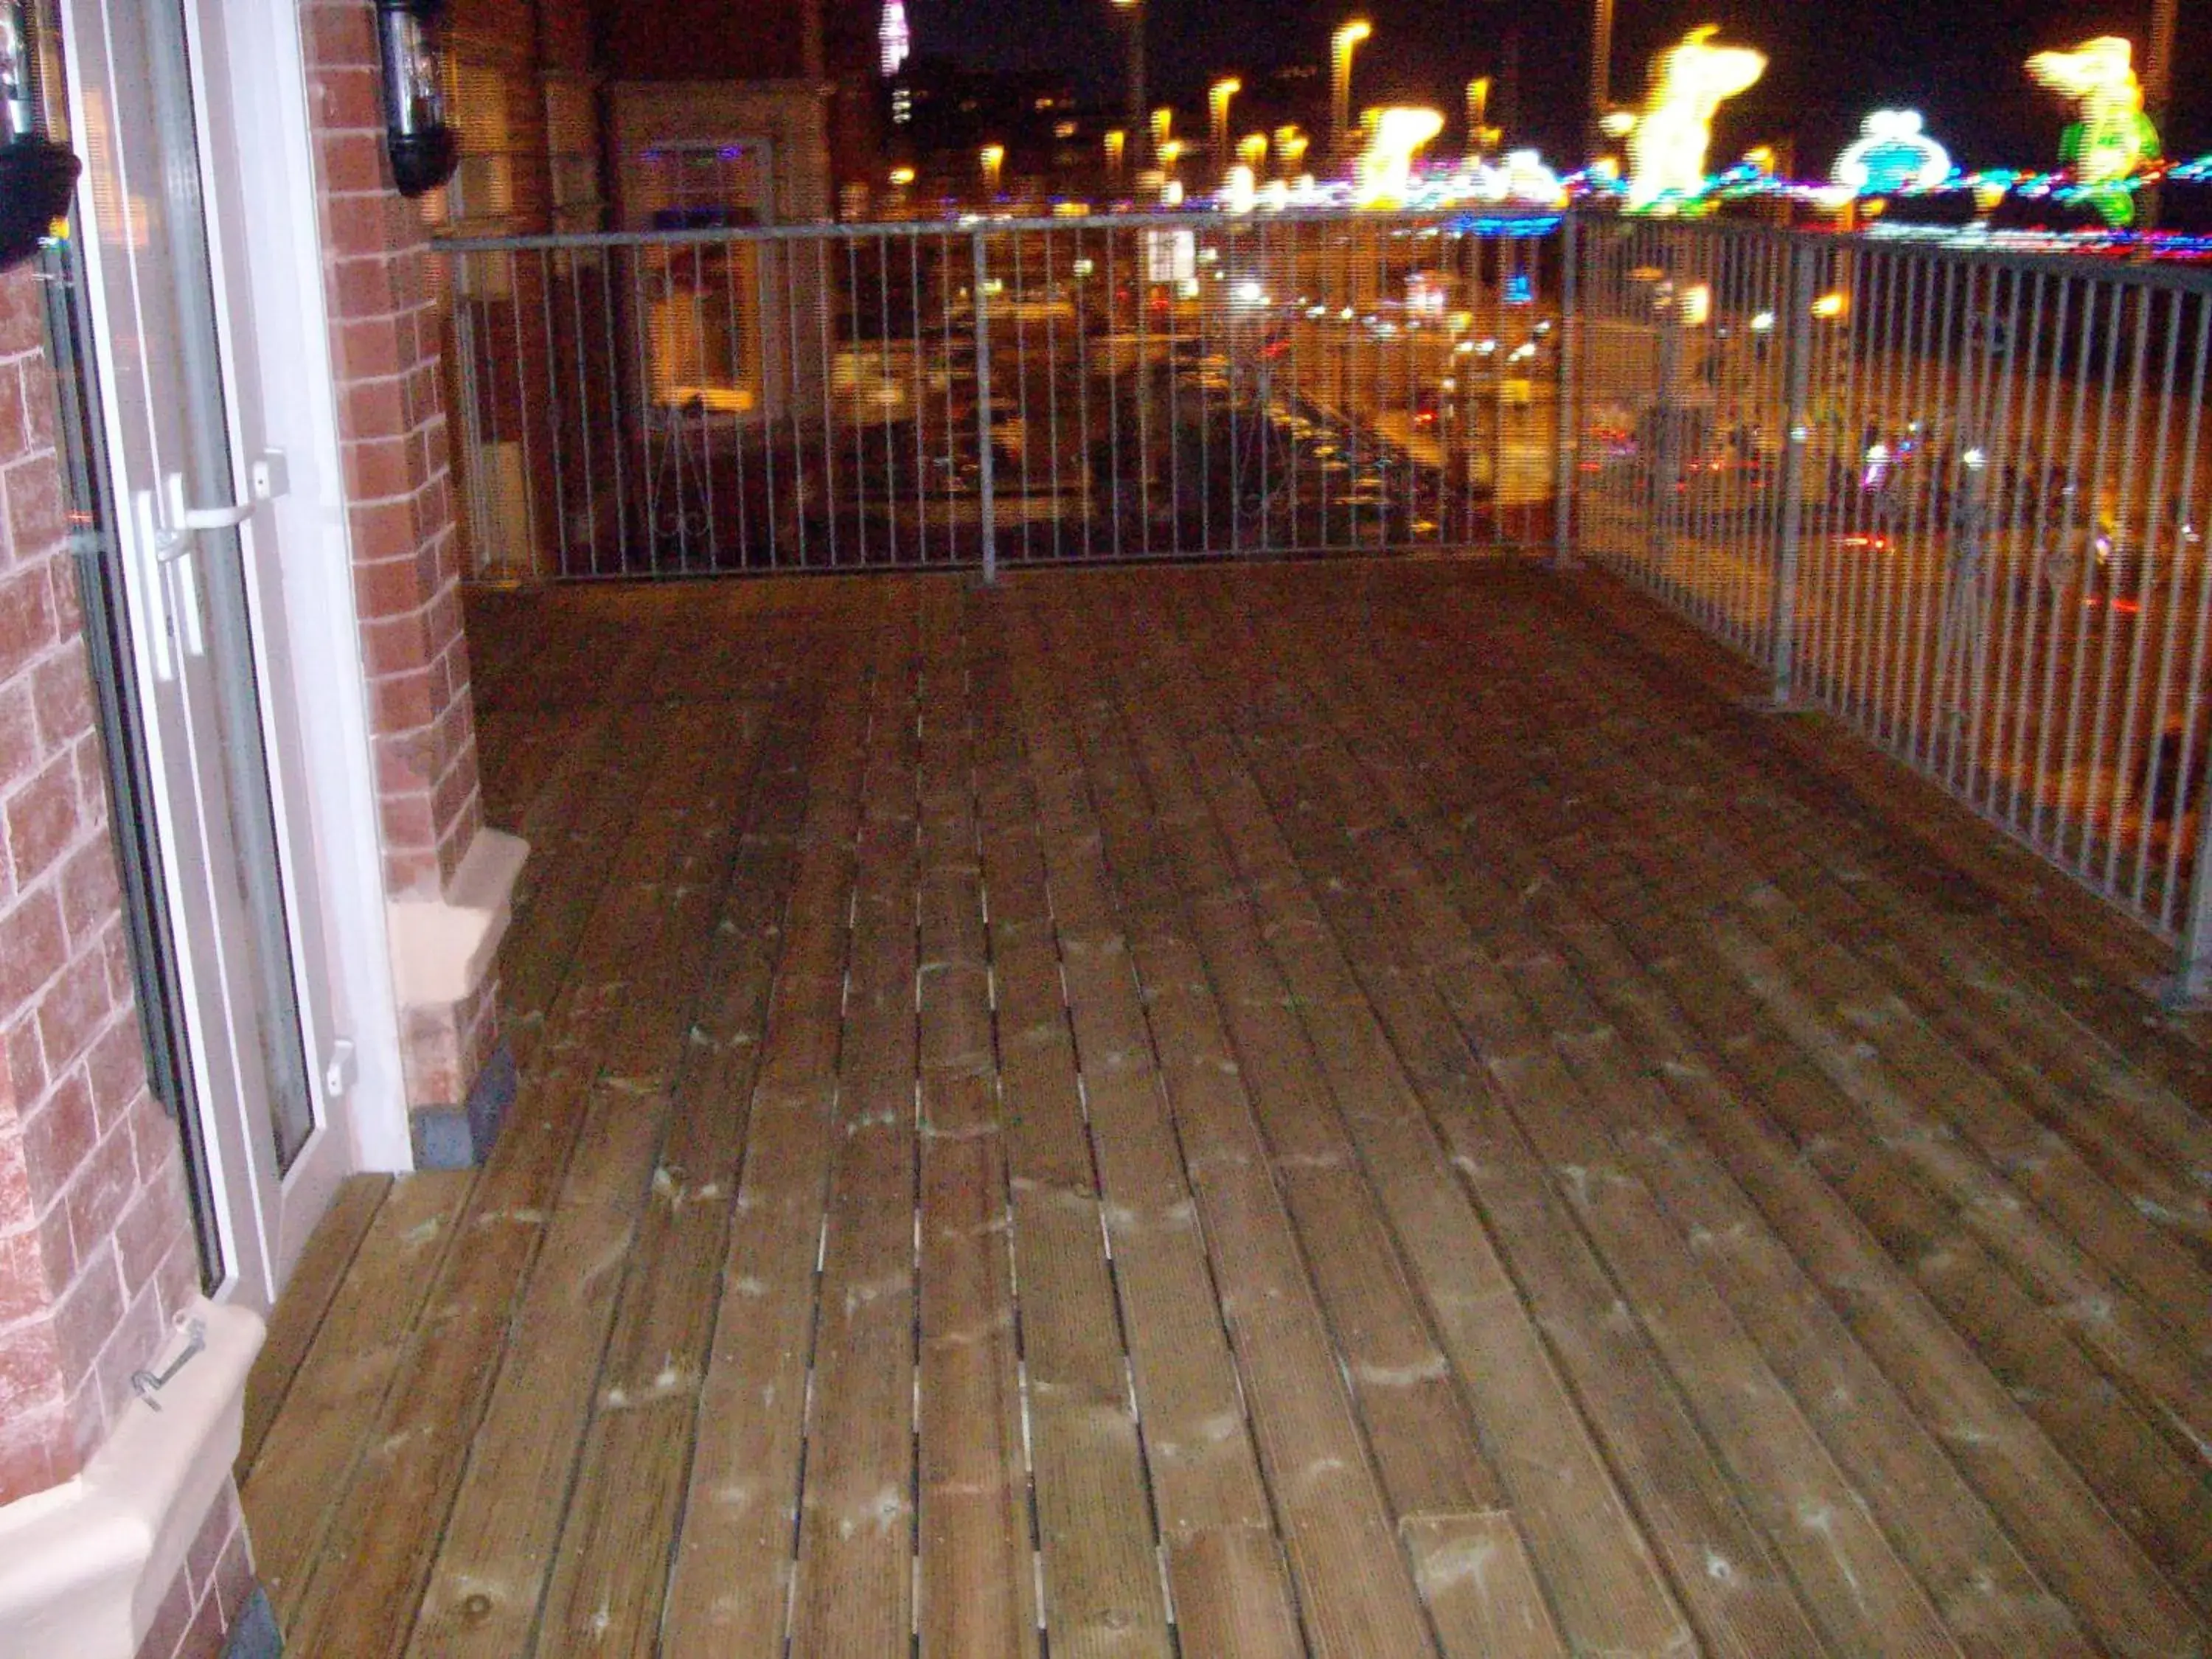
pixel 1831 60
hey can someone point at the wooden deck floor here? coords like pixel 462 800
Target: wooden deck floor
pixel 1364 1111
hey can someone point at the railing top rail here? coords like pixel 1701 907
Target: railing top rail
pixel 1522 221
pixel 1499 219
pixel 1954 248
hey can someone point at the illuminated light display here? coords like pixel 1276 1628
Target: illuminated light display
pixel 1240 191
pixel 1690 81
pixel 1892 153
pixel 2110 138
pixel 1519 176
pixel 1396 136
pixel 893 36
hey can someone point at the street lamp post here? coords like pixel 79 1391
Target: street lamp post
pixel 1133 15
pixel 2158 66
pixel 993 157
pixel 1217 108
pixel 1341 45
pixel 1290 151
pixel 1601 72
pixel 2158 94
pixel 1478 115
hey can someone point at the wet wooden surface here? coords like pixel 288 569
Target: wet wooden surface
pixel 1354 1110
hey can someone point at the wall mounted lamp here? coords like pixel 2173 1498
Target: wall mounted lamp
pixel 422 145
pixel 37 175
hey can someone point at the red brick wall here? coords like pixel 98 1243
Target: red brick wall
pixel 195 1617
pixel 709 39
pixel 384 327
pixel 96 1252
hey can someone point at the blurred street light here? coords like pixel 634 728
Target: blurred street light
pixel 1217 108
pixel 1341 45
pixel 1132 89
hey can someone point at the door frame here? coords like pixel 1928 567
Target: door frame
pixel 258 177
pixel 280 224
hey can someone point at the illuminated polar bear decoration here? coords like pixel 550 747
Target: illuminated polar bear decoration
pixel 1689 80
pixel 1892 153
pixel 1386 166
pixel 2113 138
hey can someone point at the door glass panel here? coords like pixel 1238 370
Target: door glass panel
pixel 257 938
pixel 100 591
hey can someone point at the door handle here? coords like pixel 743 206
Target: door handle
pixel 173 548
pixel 152 550
pixel 185 519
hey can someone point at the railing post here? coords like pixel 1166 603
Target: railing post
pixel 1797 343
pixel 2193 967
pixel 986 485
pixel 1569 426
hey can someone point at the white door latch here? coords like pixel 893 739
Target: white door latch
pixel 184 520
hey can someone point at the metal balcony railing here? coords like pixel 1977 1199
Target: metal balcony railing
pixel 1951 496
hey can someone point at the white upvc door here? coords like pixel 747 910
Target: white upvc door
pixel 205 523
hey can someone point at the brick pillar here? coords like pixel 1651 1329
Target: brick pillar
pixel 384 345
pixel 96 1249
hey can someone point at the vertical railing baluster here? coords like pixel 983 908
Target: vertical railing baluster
pixel 1566 421
pixel 985 484
pixel 1798 344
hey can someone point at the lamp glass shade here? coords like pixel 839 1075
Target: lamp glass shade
pixel 417 134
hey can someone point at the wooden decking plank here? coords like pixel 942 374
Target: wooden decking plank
pixel 1852 1582
pixel 1931 847
pixel 1424 1440
pixel 856 1550
pixel 1842 1120
pixel 1511 1154
pixel 730 1590
pixel 2011 1466
pixel 642 1211
pixel 2014 1121
pixel 1102 1577
pixel 1610 1591
pixel 2140 1137
pixel 317 1278
pixel 2127 1455
pixel 1229 1594
pixel 1205 1468
pixel 1327 1502
pixel 573 864
pixel 419 1462
pixel 1474 1573
pixel 1934 914
pixel 1989 1596
pixel 2041 1497
pixel 975 1555
pixel 2116 1446
pixel 1989 1007
pixel 976 1583
pixel 331 1410
pixel 1866 1043
pixel 1096 1503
